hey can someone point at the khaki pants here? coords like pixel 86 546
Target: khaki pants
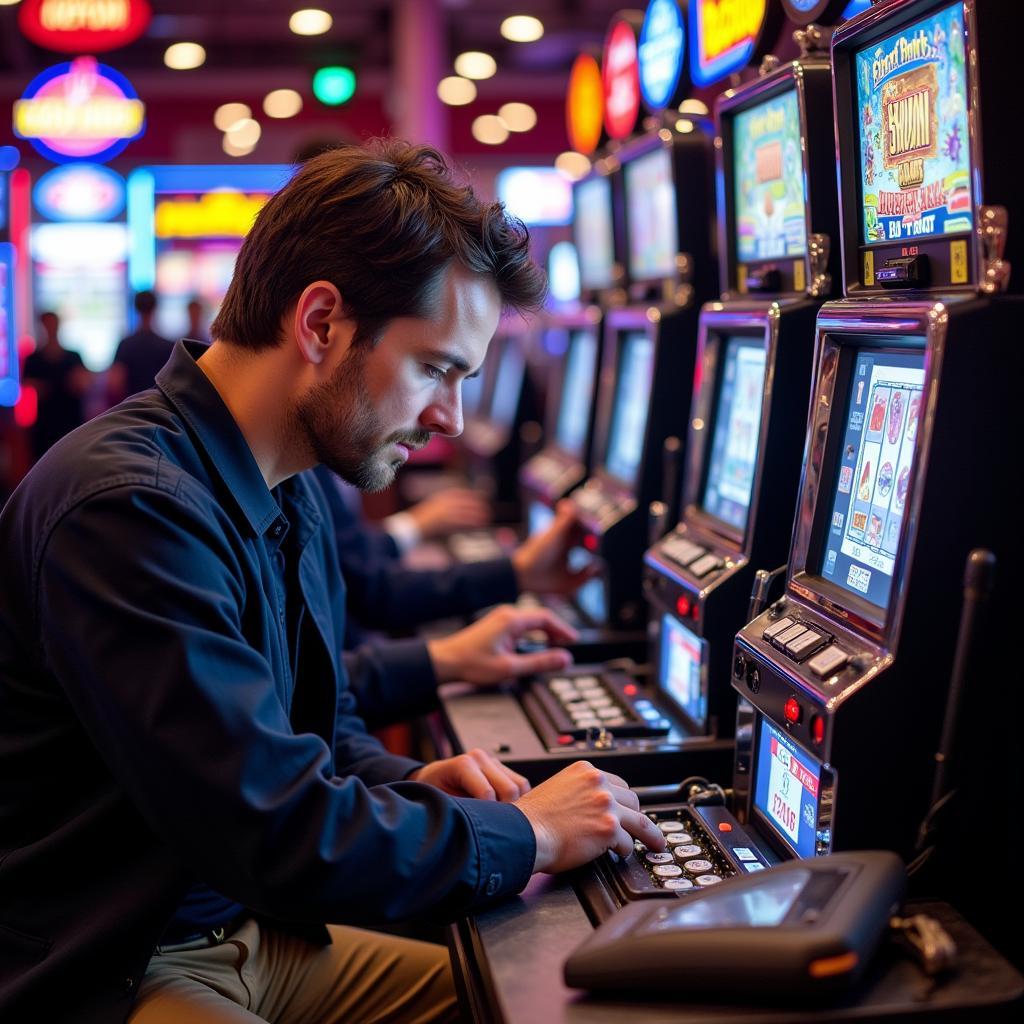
pixel 260 974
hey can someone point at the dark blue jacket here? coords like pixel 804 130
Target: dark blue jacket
pixel 382 594
pixel 153 735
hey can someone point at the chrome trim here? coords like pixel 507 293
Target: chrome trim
pixel 717 322
pixel 868 319
pixel 747 96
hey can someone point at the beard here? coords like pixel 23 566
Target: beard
pixel 342 427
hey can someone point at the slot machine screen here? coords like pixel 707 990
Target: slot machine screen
pixel 736 432
pixel 629 411
pixel 593 232
pixel 472 394
pixel 787 790
pixel 508 385
pixel 539 517
pixel 915 170
pixel 680 675
pixel 651 216
pixel 577 394
pixel 876 460
pixel 768 172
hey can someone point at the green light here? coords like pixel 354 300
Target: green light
pixel 334 86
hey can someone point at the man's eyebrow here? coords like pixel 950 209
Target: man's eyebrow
pixel 457 362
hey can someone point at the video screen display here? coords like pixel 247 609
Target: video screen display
pixel 472 394
pixel 914 144
pixel 577 393
pixel 787 789
pixel 874 473
pixel 651 216
pixel 508 385
pixel 680 670
pixel 594 233
pixel 768 170
pixel 629 411
pixel 737 432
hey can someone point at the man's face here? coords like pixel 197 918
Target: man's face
pixel 386 400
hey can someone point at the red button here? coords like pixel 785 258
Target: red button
pixel 631 689
pixel 724 826
pixel 793 711
pixel 683 606
pixel 564 740
pixel 590 542
pixel 818 729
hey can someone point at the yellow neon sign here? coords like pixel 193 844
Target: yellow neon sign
pixel 213 215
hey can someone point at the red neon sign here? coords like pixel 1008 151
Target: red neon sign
pixel 89 26
pixel 620 73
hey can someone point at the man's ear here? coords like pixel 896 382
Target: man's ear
pixel 319 324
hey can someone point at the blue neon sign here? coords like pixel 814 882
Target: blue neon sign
pixel 661 52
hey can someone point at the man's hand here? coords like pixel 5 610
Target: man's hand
pixel 475 774
pixel 541 562
pixel 456 508
pixel 486 651
pixel 581 812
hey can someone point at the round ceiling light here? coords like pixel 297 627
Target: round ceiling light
pixel 522 28
pixel 184 56
pixel 474 64
pixel 310 22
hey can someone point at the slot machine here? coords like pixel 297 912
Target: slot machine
pixel 842 681
pixel 648 356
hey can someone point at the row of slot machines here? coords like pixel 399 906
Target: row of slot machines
pixel 835 422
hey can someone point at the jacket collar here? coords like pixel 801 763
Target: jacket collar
pixel 195 398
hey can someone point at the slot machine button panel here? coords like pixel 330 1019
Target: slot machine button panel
pixel 709 563
pixel 806 643
pixel 787 636
pixel 681 550
pixel 827 661
pixel 777 627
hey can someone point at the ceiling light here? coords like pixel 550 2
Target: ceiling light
pixel 522 28
pixel 572 164
pixel 184 56
pixel 246 132
pixel 684 126
pixel 474 64
pixel 333 86
pixel 694 107
pixel 282 103
pixel 310 22
pixel 228 113
pixel 9 3
pixel 518 117
pixel 490 130
pixel 456 91
pixel 233 149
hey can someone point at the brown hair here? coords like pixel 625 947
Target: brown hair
pixel 381 222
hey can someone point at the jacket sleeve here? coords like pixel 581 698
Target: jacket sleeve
pixel 391 680
pixel 141 605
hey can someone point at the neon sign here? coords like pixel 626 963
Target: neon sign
pixel 621 79
pixel 723 36
pixel 82 110
pixel 76 26
pixel 79 192
pixel 212 215
pixel 583 104
pixel 661 51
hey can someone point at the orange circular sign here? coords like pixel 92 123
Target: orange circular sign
pixel 583 105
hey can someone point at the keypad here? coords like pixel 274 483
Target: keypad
pixel 799 640
pixel 704 566
pixel 581 703
pixel 681 550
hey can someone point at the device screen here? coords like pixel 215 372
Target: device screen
pixel 629 412
pixel 651 216
pixel 508 385
pixel 680 669
pixel 593 232
pixel 787 789
pixel 876 459
pixel 914 146
pixel 771 207
pixel 539 517
pixel 577 393
pixel 763 907
pixel 737 431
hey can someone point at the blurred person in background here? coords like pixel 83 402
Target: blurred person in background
pixel 197 326
pixel 140 356
pixel 60 380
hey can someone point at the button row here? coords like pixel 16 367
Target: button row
pixel 799 641
pixel 698 560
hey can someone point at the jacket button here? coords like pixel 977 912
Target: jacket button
pixel 493 884
pixel 129 984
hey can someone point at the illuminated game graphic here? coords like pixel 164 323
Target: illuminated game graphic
pixel 912 101
pixel 771 214
pixel 737 431
pixel 680 668
pixel 592 228
pixel 651 216
pixel 577 392
pixel 629 418
pixel 788 784
pixel 875 468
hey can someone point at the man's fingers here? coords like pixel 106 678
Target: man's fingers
pixel 626 797
pixel 615 780
pixel 472 779
pixel 556 628
pixel 623 843
pixel 555 660
pixel 642 828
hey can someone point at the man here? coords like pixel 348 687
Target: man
pixel 60 380
pixel 196 320
pixel 187 789
pixel 140 356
